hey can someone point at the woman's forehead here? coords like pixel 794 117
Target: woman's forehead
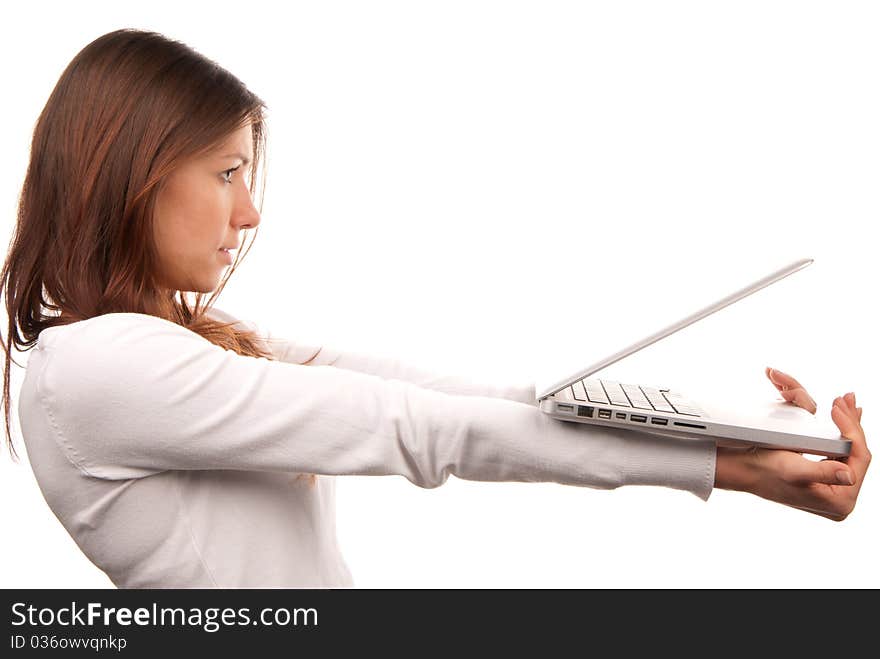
pixel 237 145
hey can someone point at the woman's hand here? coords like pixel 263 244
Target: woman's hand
pixel 828 487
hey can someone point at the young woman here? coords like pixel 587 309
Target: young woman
pixel 180 446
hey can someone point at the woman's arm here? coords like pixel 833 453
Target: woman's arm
pixel 309 353
pixel 130 395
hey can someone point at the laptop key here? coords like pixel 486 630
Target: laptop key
pixel 578 390
pixel 656 399
pixel 615 393
pixel 595 392
pixel 682 405
pixel 565 395
pixel 636 397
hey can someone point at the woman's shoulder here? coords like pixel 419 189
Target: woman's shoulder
pixel 116 337
pixel 85 363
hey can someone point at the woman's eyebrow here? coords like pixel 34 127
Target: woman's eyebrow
pixel 246 161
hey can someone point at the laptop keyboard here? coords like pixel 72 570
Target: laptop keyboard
pixel 633 396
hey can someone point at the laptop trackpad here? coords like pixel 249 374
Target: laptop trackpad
pixel 775 415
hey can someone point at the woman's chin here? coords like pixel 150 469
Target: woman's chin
pixel 206 286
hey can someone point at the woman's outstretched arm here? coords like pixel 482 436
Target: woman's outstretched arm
pixel 311 353
pixel 130 395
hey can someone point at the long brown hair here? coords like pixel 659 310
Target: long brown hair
pixel 129 108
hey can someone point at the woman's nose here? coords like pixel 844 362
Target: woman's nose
pixel 247 214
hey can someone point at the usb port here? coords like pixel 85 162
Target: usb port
pixel 620 415
pixel 638 417
pixel 604 414
pixel 658 421
pixel 565 408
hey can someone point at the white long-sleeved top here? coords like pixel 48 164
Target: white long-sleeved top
pixel 173 462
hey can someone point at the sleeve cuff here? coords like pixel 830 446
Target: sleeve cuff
pixel 684 464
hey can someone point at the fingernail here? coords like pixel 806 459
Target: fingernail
pixel 844 478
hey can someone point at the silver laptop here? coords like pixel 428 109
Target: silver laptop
pixel 584 397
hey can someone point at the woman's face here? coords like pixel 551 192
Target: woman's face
pixel 203 207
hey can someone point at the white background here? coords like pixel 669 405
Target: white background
pixel 461 184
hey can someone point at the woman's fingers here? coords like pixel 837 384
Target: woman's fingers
pixel 800 398
pixel 831 472
pixel 791 390
pixel 846 418
pixel 851 399
pixel 781 379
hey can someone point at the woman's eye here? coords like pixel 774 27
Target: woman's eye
pixel 228 174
